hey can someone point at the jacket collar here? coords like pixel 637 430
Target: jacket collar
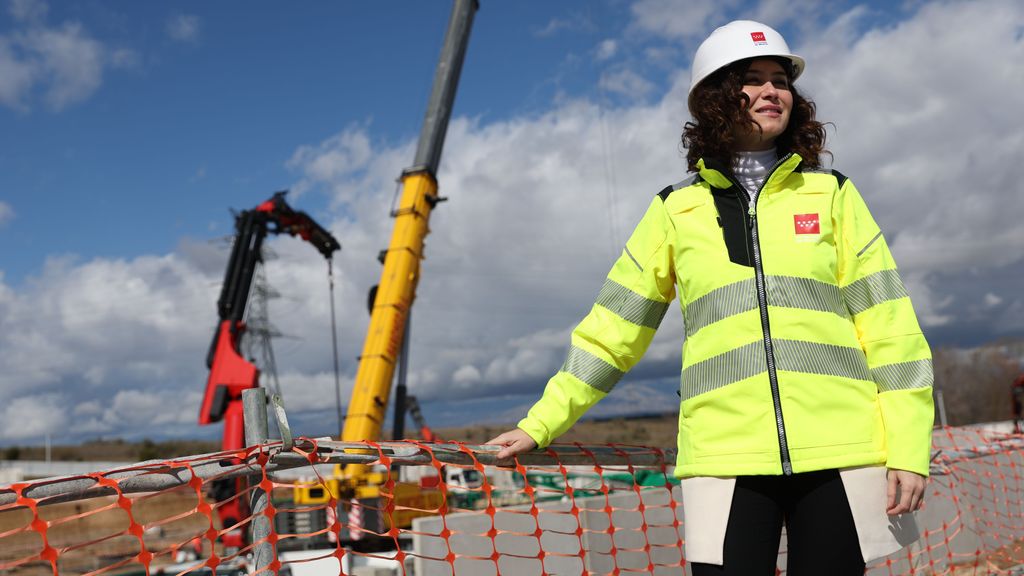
pixel 721 176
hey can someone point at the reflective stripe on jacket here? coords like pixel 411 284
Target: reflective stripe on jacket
pixel 802 349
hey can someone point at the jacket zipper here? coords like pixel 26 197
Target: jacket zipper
pixel 762 304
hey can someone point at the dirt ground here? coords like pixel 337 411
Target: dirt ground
pixel 90 534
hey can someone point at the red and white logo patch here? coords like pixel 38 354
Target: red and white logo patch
pixel 804 224
pixel 758 38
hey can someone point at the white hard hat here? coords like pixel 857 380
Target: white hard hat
pixel 739 40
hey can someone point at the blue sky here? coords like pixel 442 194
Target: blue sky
pixel 129 130
pixel 192 112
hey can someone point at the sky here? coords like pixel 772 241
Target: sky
pixel 130 131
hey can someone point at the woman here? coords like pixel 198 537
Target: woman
pixel 806 383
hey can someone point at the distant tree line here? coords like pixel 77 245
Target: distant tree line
pixel 975 382
pixel 114 449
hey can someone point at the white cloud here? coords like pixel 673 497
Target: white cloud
pixel 16 76
pixel 806 15
pixel 71 60
pixel 626 82
pixel 103 326
pixel 28 10
pixel 304 391
pixel 184 28
pixel 664 56
pixel 634 398
pixel 88 408
pixel 32 417
pixel 692 19
pixel 466 375
pixel 63 64
pixel 933 308
pixel 6 213
pixel 335 159
pixel 135 408
pixel 124 58
pixel 606 49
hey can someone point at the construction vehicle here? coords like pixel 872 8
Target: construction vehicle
pixel 392 301
pixel 230 372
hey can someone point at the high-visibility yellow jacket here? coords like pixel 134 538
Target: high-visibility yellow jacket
pixel 802 349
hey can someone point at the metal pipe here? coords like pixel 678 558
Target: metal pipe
pixel 158 475
pixel 446 81
pixel 254 401
pixel 941 402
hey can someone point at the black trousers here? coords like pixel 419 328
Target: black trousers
pixel 821 536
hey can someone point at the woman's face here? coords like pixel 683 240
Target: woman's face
pixel 766 84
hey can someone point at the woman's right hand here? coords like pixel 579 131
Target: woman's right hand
pixel 513 442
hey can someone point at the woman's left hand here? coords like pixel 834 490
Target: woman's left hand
pixel 910 487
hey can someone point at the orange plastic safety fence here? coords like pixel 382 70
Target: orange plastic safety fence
pixel 448 509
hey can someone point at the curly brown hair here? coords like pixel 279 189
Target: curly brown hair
pixel 718 103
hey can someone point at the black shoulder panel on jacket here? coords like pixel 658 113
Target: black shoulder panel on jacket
pixel 839 177
pixel 679 185
pixel 735 224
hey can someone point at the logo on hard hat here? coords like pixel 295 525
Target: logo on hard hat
pixel 758 38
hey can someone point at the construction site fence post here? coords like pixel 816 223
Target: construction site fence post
pixel 254 403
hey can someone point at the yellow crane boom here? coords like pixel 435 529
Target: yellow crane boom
pixel 391 306
pixel 397 288
pixel 395 294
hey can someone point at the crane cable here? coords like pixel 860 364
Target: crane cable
pixel 334 340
